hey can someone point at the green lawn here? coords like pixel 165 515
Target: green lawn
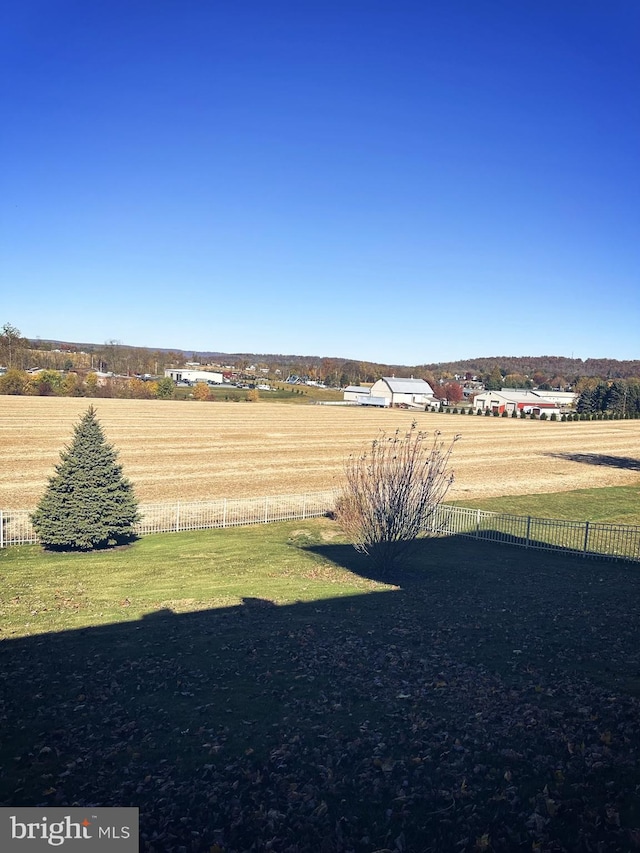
pixel 261 689
pixel 44 592
pixel 615 505
pixel 301 394
pixel 281 393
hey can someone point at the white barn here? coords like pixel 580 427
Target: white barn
pixel 413 393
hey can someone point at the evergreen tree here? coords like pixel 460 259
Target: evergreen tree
pixel 88 503
pixel 165 388
pixel 633 400
pixel 585 401
pixel 599 397
pixel 616 400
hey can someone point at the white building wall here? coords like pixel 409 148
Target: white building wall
pixel 179 374
pixel 354 392
pixel 402 399
pixel 381 389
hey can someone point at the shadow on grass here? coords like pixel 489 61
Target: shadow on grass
pixel 492 691
pixel 122 542
pixel 626 462
pixel 429 553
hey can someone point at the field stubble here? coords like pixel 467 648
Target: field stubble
pixel 197 451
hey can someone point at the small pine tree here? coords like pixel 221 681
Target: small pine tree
pixel 88 503
pixel 165 388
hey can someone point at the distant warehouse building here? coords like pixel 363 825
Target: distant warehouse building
pixel 181 374
pixel 530 402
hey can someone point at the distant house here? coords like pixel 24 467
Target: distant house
pixel 412 393
pixel 471 387
pixel 522 400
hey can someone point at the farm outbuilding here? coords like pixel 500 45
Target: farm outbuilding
pixel 352 392
pixel 412 393
pixel 181 374
pixel 510 400
pixel 369 400
pixel 361 396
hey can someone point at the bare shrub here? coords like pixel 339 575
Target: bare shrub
pixel 391 490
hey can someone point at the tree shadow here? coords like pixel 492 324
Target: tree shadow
pixel 625 462
pixel 119 544
pixel 411 570
pixel 409 718
pixel 440 552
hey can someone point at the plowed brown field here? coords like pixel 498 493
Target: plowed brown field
pixel 190 451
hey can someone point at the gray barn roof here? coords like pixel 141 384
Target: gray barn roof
pixel 408 386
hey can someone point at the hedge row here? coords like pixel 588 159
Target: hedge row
pixel 543 416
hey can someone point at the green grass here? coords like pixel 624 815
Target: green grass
pixel 301 394
pixel 261 688
pixel 221 394
pixel 280 393
pixel 614 505
pixel 44 592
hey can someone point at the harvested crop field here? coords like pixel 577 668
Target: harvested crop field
pixel 197 451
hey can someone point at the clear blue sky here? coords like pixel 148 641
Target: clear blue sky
pixel 396 181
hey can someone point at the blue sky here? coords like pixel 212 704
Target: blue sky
pixel 396 181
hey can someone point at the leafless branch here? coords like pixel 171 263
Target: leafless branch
pixel 391 490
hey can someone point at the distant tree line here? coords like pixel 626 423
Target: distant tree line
pixel 53 383
pixel 620 397
pixel 569 370
pixel 545 372
pixel 19 352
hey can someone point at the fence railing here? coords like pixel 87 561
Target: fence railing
pixel 178 516
pixel 589 539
